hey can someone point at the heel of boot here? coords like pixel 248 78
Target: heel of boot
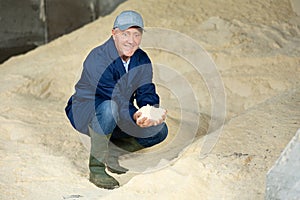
pixel 104 180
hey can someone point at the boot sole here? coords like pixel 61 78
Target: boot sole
pixel 112 170
pixel 108 187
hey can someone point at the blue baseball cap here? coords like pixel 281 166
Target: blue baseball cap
pixel 127 19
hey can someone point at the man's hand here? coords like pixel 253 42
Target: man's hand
pixel 146 121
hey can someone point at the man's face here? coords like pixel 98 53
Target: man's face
pixel 127 42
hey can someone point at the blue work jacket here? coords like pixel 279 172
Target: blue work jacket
pixel 104 78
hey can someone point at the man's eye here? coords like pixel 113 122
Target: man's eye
pixel 137 35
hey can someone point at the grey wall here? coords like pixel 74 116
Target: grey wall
pixel 67 15
pixel 26 24
pixel 21 27
pixel 283 180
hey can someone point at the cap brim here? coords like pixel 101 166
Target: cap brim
pixel 127 26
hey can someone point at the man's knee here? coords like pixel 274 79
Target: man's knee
pixel 162 135
pixel 108 110
pixel 155 139
pixel 105 118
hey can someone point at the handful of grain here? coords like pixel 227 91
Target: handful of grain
pixel 151 112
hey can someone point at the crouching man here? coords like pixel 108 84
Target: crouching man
pixel 115 83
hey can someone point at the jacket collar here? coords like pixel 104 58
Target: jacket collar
pixel 112 49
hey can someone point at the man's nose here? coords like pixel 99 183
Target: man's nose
pixel 130 38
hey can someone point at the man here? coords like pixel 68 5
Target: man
pixel 116 76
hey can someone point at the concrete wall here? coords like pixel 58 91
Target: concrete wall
pixel 283 180
pixel 26 24
pixel 64 16
pixel 21 26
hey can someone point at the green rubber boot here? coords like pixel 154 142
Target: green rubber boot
pixel 98 175
pixel 112 159
pixel 128 144
pixel 99 150
pixel 117 148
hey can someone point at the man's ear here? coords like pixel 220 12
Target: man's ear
pixel 113 33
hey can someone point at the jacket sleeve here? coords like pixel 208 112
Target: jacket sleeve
pixel 146 92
